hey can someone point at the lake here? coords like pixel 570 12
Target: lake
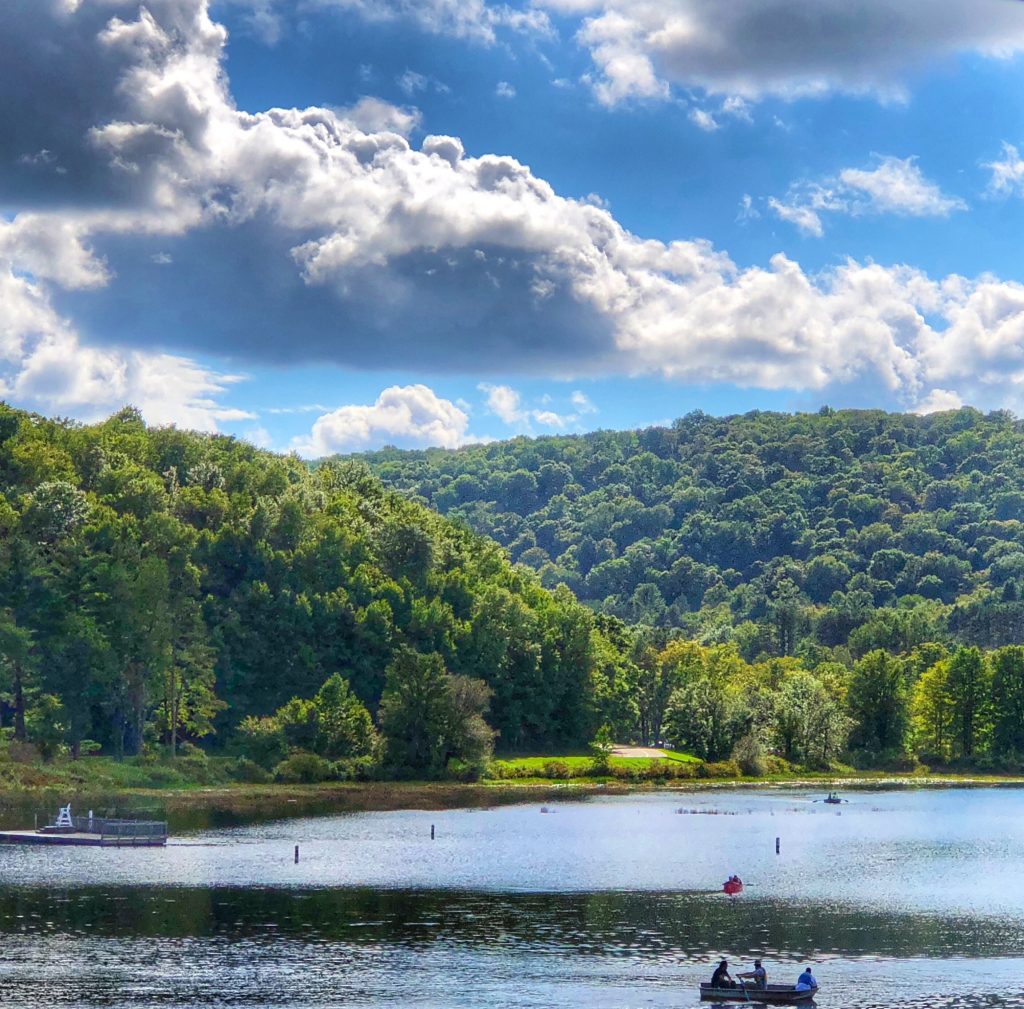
pixel 900 897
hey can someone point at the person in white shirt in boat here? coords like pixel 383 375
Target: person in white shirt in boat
pixel 806 981
pixel 759 975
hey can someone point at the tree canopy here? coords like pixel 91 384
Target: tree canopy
pixel 160 585
pixel 786 534
pixel 810 588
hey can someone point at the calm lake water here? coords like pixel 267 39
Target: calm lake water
pixel 910 898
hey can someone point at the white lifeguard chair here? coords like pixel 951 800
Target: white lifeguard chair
pixel 64 817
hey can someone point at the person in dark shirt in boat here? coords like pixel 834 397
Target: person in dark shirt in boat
pixel 759 975
pixel 806 980
pixel 721 978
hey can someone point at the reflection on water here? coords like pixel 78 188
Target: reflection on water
pixel 906 898
pixel 180 946
pixel 659 925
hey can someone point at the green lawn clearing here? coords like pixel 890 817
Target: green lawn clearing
pixel 578 765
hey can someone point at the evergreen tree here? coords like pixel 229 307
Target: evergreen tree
pixel 878 701
pixel 1008 701
pixel 968 686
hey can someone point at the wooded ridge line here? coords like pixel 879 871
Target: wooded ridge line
pixel 772 590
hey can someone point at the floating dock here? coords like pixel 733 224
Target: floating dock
pixel 92 831
pixel 82 838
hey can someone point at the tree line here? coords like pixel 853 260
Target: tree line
pixel 935 705
pixel 160 588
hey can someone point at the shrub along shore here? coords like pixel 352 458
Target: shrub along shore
pixel 197 781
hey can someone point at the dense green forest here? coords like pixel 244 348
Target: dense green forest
pixel 763 592
pixel 850 583
pixel 159 586
pixel 787 535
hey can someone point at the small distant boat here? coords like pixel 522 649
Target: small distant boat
pixel 774 994
pixel 732 886
pixel 832 799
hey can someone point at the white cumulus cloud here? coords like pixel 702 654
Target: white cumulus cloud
pixel 411 416
pixel 582 402
pixel 703 120
pixel 45 366
pixel 939 400
pixel 802 215
pixel 507 405
pixel 897 186
pixel 372 115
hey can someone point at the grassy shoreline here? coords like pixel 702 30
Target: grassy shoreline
pixel 279 800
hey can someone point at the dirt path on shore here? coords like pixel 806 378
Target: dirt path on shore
pixel 638 751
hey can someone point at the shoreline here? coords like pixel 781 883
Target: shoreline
pixel 282 801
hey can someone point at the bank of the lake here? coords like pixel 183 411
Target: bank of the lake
pixel 224 805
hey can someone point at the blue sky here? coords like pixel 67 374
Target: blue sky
pixel 329 225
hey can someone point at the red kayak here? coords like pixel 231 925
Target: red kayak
pixel 732 886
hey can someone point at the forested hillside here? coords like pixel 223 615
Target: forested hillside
pixel 157 585
pixel 818 534
pixel 772 591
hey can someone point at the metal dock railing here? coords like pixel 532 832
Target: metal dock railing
pixel 125 832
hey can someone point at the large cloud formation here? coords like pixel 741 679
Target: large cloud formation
pixel 789 48
pixel 157 214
